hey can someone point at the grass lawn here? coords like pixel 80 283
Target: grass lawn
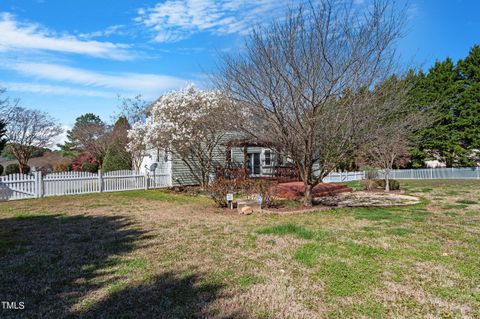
pixel 158 254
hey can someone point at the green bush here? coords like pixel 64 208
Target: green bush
pixel 372 184
pixel 89 167
pixel 116 159
pixel 15 169
pixel 394 184
pixel 1 169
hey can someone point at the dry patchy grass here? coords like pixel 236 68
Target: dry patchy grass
pixel 158 254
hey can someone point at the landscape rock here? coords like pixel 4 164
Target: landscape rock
pixel 248 207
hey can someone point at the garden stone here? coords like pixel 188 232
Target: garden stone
pixel 248 207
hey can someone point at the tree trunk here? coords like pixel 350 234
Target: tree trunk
pixel 22 166
pixel 307 195
pixel 387 181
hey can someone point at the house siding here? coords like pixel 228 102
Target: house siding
pixel 181 174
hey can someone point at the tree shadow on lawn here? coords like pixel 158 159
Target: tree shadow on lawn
pixel 50 262
pixel 170 295
pixel 53 262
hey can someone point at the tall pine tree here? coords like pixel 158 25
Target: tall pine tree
pixel 455 91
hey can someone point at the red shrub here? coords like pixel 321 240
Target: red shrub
pixel 84 158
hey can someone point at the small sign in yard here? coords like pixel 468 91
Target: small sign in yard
pixel 230 200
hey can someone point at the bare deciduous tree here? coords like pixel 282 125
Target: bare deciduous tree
pixel 135 111
pixel 393 135
pixel 303 84
pixel 28 130
pixel 94 138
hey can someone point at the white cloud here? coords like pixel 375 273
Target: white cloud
pixel 121 82
pixel 174 20
pixel 61 138
pixel 29 36
pixel 54 89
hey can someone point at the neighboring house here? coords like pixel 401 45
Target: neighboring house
pixel 260 161
pixel 435 164
pixel 439 162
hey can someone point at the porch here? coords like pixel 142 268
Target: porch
pixel 257 160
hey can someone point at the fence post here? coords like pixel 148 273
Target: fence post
pixel 146 180
pixel 38 184
pixel 411 173
pixel 431 172
pixel 100 181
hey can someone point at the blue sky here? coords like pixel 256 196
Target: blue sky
pixel 76 56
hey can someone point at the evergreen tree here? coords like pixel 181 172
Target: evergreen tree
pixel 116 159
pixel 455 91
pixel 469 98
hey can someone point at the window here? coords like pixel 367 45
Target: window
pixel 267 157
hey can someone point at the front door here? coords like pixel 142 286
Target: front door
pixel 254 163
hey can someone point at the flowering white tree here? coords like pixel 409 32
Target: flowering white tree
pixel 137 144
pixel 190 124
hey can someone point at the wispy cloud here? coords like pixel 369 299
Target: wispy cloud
pixel 120 82
pixel 111 30
pixel 15 35
pixel 48 89
pixel 174 20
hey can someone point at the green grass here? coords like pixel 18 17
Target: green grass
pixel 307 254
pixel 344 279
pixel 287 229
pixel 177 256
pixel 377 214
pixel 400 231
pixel 455 206
pixel 162 195
pixel 467 201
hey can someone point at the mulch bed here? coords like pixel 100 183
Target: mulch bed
pixel 295 190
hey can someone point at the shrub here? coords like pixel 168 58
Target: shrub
pixel 369 184
pixel 15 169
pixel 267 190
pixel 89 167
pixel 219 188
pixel 82 158
pixel 394 184
pixel 63 166
pixel 116 159
pixel 1 169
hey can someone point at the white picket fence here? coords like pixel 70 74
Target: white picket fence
pixel 435 173
pixel 34 185
pixel 338 177
pixel 420 173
